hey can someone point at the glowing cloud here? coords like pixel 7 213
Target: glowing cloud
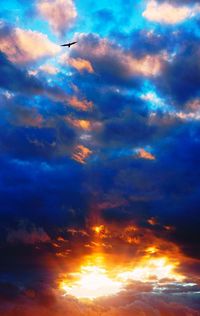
pixel 81 64
pixel 24 46
pixel 167 13
pixel 92 282
pixel 60 14
pixel 142 153
pixel 95 281
pixel 82 105
pixel 81 153
pixel 81 124
pixel 157 269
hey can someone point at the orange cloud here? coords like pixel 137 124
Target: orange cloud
pixel 141 153
pixel 83 105
pixel 59 13
pixel 81 64
pixel 167 13
pixel 81 153
pixel 82 124
pixel 24 46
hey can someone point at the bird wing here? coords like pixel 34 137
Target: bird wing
pixel 69 44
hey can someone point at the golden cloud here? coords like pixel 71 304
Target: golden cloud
pixel 82 124
pixel 81 153
pixel 81 64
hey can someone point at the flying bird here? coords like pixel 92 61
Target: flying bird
pixel 69 44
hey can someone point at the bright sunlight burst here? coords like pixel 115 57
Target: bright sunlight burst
pixel 93 281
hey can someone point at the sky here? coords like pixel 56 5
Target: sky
pixel 99 158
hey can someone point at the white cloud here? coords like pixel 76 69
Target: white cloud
pixel 60 14
pixel 24 46
pixel 167 13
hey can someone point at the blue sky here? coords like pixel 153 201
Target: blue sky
pixel 105 134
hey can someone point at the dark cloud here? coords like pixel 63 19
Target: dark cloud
pixel 180 78
pixel 47 302
pixel 18 80
pixel 15 79
pixel 110 62
pixel 27 234
pixel 50 203
pixel 130 129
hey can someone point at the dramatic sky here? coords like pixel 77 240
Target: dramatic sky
pixel 100 158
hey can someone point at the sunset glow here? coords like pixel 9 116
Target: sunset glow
pixel 152 269
pixel 94 281
pixel 99 158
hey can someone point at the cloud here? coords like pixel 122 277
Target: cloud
pixel 60 14
pixel 18 80
pixel 47 141
pixel 142 153
pixel 181 89
pixel 115 65
pixel 81 105
pixel 180 2
pixel 81 124
pixel 20 115
pixel 81 153
pixel 135 301
pixel 25 46
pixel 14 79
pixel 50 69
pixel 28 235
pixel 130 129
pixel 81 64
pixel 168 13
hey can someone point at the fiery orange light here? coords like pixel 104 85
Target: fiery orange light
pixel 92 282
pixel 153 269
pixel 151 250
pixel 105 272
pixel 98 229
pixel 95 279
